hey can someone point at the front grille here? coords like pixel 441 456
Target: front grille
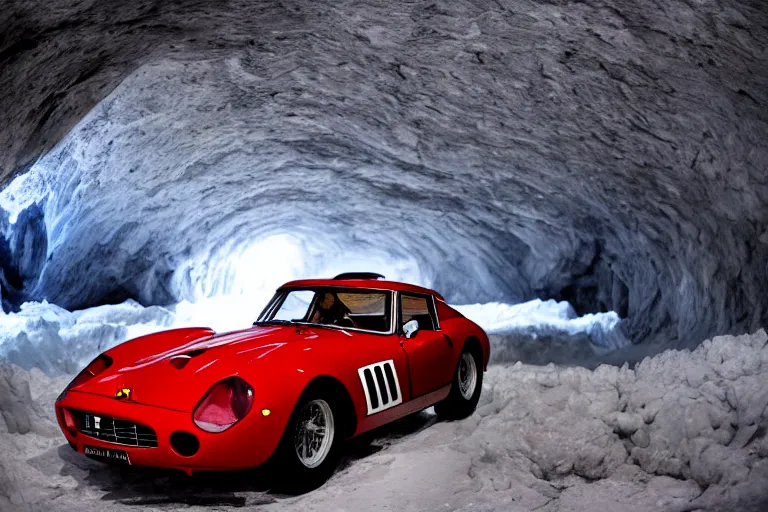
pixel 115 431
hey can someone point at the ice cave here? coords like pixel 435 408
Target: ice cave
pixel 585 180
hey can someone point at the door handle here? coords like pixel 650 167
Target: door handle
pixel 448 339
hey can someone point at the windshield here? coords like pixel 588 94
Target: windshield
pixel 368 310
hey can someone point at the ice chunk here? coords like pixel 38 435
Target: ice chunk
pixel 55 340
pixel 540 331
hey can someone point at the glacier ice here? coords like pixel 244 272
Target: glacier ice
pixel 184 213
pixel 55 340
pixel 547 317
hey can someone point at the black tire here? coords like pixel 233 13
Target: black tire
pixel 456 406
pixel 292 475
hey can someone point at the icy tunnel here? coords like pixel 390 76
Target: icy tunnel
pixel 614 159
pixel 190 156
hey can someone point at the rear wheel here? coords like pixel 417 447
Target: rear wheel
pixel 465 388
pixel 309 450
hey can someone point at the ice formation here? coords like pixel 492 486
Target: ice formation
pixel 55 340
pixel 431 142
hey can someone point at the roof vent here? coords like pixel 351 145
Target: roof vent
pixel 359 275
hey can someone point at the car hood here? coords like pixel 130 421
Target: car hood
pixel 178 378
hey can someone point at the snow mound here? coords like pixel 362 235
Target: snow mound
pixel 682 431
pixel 678 418
pixel 27 427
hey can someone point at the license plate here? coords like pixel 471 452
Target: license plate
pixel 106 454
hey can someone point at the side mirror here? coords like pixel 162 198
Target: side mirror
pixel 410 329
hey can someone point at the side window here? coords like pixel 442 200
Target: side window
pixel 368 310
pixel 419 308
pixel 360 309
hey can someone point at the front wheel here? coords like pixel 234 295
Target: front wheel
pixel 309 450
pixel 465 388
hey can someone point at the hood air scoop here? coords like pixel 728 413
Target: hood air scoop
pixel 181 360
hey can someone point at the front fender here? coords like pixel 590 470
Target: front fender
pixel 280 379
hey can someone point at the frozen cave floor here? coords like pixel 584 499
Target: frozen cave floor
pixel 682 431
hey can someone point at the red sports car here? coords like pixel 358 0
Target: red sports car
pixel 327 360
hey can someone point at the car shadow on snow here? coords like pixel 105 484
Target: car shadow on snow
pixel 130 485
pixel 382 437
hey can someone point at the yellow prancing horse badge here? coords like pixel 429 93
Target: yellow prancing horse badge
pixel 123 394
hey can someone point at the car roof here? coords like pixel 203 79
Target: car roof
pixel 366 284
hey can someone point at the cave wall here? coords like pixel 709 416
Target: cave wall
pixel 613 154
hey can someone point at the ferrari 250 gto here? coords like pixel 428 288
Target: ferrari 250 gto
pixel 327 360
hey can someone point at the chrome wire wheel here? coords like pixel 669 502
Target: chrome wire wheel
pixel 314 433
pixel 467 375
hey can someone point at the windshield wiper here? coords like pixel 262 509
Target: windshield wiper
pixel 273 322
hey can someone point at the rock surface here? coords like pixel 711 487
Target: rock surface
pixel 612 154
pixel 681 432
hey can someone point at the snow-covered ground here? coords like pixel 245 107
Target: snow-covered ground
pixel 682 431
pixel 55 340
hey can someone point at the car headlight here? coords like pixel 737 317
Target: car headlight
pixel 226 403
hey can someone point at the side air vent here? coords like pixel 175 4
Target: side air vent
pixel 381 387
pixel 359 275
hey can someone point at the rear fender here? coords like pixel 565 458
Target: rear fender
pixel 462 330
